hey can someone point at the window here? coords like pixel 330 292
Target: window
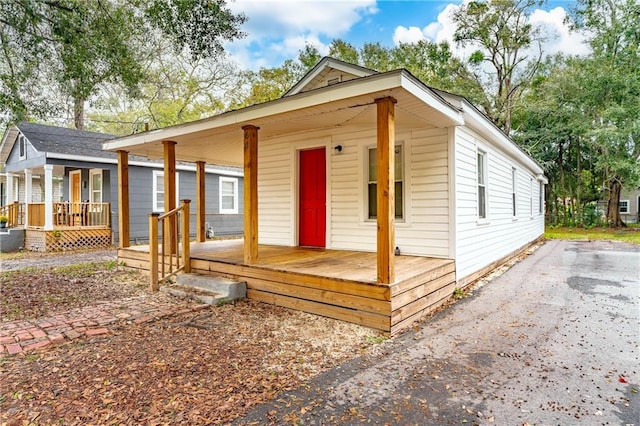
pixel 623 206
pixel 158 190
pixel 514 185
pixel 482 185
pixel 531 197
pixel 95 185
pixel 541 198
pixel 22 146
pixel 372 183
pixel 228 195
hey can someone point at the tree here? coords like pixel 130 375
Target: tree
pixel 76 40
pixel 501 31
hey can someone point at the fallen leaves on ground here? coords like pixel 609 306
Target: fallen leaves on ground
pixel 207 367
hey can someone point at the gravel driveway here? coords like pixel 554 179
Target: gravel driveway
pixel 555 340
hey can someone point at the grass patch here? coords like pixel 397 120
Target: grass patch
pixel 628 235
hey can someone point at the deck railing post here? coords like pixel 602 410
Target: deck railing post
pixel 154 285
pixel 186 249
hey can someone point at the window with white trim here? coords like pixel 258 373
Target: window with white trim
pixel 372 183
pixel 541 198
pixel 95 185
pixel 22 147
pixel 158 190
pixel 514 185
pixel 482 184
pixel 531 197
pixel 623 206
pixel 228 195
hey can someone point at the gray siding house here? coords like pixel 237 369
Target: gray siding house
pixel 56 178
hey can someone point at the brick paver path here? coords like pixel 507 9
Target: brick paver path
pixel 20 336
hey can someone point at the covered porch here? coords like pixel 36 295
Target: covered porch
pixel 334 283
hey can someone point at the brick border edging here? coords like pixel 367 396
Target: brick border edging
pixel 19 337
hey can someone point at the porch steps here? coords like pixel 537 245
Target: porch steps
pixel 206 289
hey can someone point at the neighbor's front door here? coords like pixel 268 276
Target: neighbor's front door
pixel 313 197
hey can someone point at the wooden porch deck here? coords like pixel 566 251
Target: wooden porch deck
pixel 334 283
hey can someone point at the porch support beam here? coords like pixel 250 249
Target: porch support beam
pixel 11 197
pixel 386 189
pixel 48 197
pixel 250 194
pixel 170 195
pixel 28 194
pixel 123 200
pixel 200 201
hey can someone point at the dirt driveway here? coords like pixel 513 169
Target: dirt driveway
pixel 555 340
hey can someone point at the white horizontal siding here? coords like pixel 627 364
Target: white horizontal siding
pixel 479 243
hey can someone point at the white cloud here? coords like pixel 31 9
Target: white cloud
pixel 556 34
pixel 278 29
pixel 407 35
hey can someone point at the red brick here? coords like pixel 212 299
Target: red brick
pixel 39 345
pixel 24 336
pixel 96 331
pixel 7 340
pixel 38 334
pixel 72 334
pixel 142 319
pixel 14 348
pixel 56 338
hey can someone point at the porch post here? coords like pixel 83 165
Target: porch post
pixel 200 201
pixel 170 194
pixel 123 199
pixel 386 189
pixel 28 194
pixel 48 197
pixel 250 194
pixel 11 197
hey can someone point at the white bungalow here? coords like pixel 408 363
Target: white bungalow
pixel 368 196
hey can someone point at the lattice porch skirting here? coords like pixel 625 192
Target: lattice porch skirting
pixel 72 239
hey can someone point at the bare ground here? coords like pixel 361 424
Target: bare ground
pixel 199 368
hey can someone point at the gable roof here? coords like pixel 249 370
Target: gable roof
pixel 328 68
pixel 62 140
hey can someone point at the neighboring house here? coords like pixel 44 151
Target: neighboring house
pixel 84 188
pixel 355 162
pixel 630 205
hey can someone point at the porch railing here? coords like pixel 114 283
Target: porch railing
pixel 14 213
pixel 167 261
pixel 81 214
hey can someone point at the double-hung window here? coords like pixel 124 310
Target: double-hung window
pixel 514 186
pixel 482 184
pixel 372 183
pixel 158 190
pixel 95 185
pixel 228 195
pixel 623 206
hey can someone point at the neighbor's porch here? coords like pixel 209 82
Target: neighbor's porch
pixel 67 226
pixel 333 283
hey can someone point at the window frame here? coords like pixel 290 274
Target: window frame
pixel 514 192
pixel 627 205
pixel 22 147
pixel 92 190
pixel 531 197
pixel 484 185
pixel 540 198
pixel 154 196
pixel 402 180
pixel 234 209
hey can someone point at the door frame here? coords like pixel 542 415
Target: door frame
pixel 309 145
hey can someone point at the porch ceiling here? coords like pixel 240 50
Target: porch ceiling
pixel 219 139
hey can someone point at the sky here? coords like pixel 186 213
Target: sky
pixel 278 29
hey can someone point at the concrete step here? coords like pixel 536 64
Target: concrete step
pixel 207 289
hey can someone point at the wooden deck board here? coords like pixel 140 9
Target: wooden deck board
pixel 335 283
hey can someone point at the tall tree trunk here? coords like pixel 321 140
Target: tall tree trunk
pixel 78 113
pixel 613 204
pixel 579 213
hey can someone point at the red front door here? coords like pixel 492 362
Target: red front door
pixel 313 194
